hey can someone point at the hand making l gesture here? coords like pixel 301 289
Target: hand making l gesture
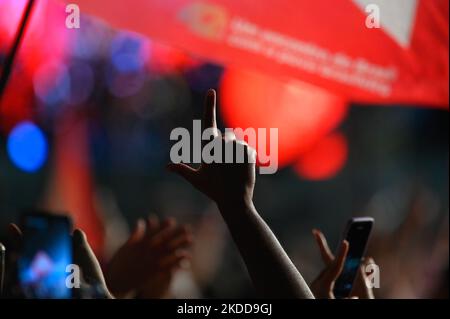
pixel 231 186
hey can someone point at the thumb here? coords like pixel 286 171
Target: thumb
pixel 85 258
pixel 188 173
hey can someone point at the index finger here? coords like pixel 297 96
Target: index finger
pixel 209 112
pixel 325 252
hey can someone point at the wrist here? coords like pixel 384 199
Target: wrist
pixel 232 205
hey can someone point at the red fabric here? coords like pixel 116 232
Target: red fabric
pixel 419 70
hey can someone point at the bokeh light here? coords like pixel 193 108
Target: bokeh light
pixel 303 113
pixel 81 82
pixel 325 159
pixel 27 147
pixel 52 84
pixel 127 72
pixel 129 53
pixel 167 60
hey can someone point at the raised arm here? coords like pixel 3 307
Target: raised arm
pixel 231 186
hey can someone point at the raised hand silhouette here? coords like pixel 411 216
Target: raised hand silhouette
pixel 231 186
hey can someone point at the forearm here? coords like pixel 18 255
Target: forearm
pixel 271 270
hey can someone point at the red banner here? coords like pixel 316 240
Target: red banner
pixel 326 43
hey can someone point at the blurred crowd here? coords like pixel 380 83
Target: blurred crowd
pixel 107 105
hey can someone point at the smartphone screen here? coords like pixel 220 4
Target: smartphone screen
pixel 357 234
pixel 46 252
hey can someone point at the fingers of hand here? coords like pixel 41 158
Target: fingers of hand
pixel 243 152
pixel 84 257
pixel 174 261
pixel 169 245
pixel 188 173
pixel 138 231
pixel 209 112
pixel 152 227
pixel 181 239
pixel 167 229
pixel 325 252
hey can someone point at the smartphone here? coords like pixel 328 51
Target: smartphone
pixel 357 234
pixel 45 253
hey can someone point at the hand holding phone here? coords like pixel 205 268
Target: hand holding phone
pixel 45 248
pixel 325 286
pixel 357 235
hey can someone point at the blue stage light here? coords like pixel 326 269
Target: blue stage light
pixel 27 147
